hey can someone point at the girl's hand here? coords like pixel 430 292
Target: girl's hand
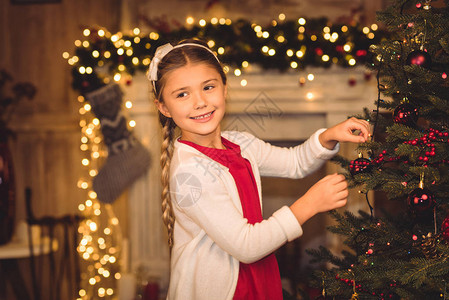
pixel 329 193
pixel 344 132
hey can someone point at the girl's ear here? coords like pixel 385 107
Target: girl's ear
pixel 162 108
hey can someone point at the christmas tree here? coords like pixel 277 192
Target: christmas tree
pixel 402 250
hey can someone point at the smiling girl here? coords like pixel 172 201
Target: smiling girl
pixel 221 248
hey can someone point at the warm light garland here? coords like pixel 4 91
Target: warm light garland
pixel 100 232
pixel 283 45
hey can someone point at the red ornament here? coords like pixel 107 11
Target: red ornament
pixel 367 75
pixel 360 165
pixel 420 200
pixel 419 58
pixel 405 114
pixel 319 51
pixel 361 52
pixel 445 229
pixel 352 81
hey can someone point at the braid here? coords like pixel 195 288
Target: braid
pixel 166 154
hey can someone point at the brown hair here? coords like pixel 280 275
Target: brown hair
pixel 175 59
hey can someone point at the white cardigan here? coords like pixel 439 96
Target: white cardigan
pixel 211 236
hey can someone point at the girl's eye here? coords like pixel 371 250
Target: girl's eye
pixel 181 95
pixel 208 87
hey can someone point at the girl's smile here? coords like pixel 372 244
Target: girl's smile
pixel 204 118
pixel 194 97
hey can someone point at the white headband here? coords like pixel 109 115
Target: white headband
pixel 163 50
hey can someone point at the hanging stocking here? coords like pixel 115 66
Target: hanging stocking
pixel 127 158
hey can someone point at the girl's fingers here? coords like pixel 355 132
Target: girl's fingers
pixel 335 178
pixel 341 186
pixel 341 203
pixel 341 195
pixel 364 128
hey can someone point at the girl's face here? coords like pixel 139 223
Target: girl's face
pixel 194 97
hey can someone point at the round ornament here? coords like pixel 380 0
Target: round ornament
pixel 420 200
pixel 360 165
pixel 445 229
pixel 405 114
pixel 352 81
pixel 419 58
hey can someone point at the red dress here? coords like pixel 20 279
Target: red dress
pixel 261 279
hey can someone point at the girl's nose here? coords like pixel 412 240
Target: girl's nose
pixel 201 101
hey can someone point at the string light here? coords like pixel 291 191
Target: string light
pixel 155 35
pixel 99 230
pixel 211 43
pixel 280 39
